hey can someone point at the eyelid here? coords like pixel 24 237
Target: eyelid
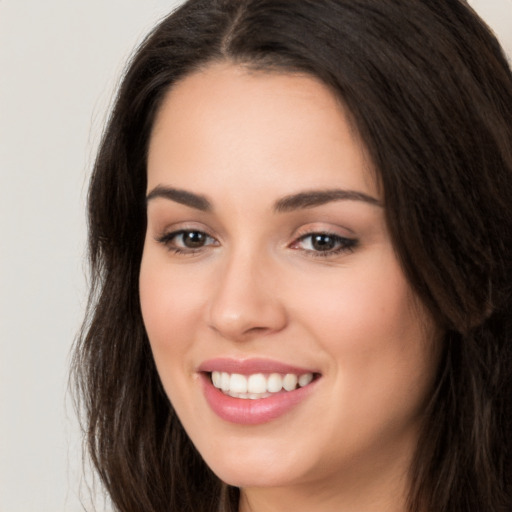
pixel 176 227
pixel 340 242
pixel 323 228
pixel 345 244
pixel 168 235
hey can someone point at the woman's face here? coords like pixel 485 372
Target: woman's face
pixel 268 268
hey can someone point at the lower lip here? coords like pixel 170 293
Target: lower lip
pixel 252 412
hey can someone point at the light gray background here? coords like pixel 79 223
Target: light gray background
pixel 59 63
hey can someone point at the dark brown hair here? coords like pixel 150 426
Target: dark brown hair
pixel 430 92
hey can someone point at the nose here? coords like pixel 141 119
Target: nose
pixel 246 302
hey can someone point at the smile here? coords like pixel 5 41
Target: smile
pixel 255 391
pixel 258 385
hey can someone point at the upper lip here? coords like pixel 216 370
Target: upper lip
pixel 250 366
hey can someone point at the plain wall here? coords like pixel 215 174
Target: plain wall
pixel 59 63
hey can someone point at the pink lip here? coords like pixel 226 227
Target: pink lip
pixel 246 411
pixel 250 366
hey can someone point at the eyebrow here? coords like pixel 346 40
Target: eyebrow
pixel 197 201
pixel 310 199
pixel 306 199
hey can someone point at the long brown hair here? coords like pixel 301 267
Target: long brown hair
pixel 430 92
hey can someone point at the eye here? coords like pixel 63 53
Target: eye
pixel 186 240
pixel 324 244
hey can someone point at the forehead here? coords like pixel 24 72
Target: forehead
pixel 231 121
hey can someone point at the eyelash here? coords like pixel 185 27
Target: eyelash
pixel 168 239
pixel 345 245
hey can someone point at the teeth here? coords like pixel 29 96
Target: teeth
pixel 305 379
pixel 224 381
pixel 258 385
pixel 217 379
pixel 290 381
pixel 274 383
pixel 238 383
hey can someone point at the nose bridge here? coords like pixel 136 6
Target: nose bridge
pixel 244 301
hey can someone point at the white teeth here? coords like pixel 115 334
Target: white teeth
pixel 305 379
pixel 238 383
pixel 258 385
pixel 290 381
pixel 224 381
pixel 274 383
pixel 217 379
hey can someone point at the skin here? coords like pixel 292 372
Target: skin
pixel 259 288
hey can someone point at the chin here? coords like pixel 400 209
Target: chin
pixel 249 464
pixel 245 474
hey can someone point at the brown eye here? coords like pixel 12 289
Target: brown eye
pixel 187 241
pixel 194 239
pixel 324 244
pixel 321 242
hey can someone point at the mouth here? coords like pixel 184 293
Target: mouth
pixel 259 385
pixel 255 391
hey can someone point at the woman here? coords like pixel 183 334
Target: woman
pixel 300 238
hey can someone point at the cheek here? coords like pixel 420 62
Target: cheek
pixel 382 344
pixel 155 301
pixel 169 299
pixel 170 306
pixel 364 308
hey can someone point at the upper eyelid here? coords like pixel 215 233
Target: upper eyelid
pixel 324 233
pixel 345 244
pixel 171 233
pixel 179 227
pixel 167 239
pixel 341 232
pixel 336 236
pixel 321 228
pixel 296 236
